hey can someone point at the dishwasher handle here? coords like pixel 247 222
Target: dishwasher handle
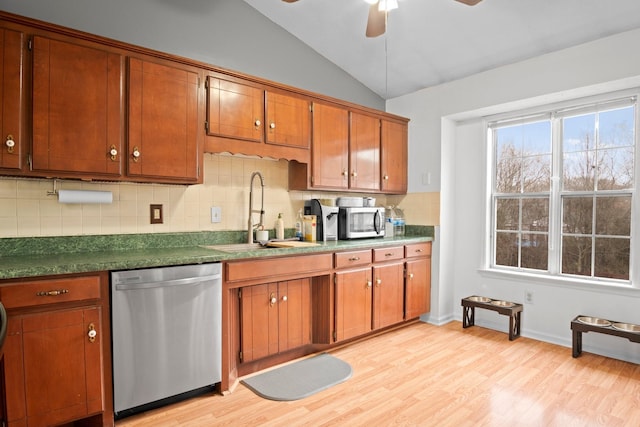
pixel 168 283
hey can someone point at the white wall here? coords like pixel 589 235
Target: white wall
pixel 447 135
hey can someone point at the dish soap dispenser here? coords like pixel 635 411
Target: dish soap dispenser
pixel 280 227
pixel 299 225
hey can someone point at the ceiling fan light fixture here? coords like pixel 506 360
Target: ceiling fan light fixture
pixel 371 1
pixel 387 5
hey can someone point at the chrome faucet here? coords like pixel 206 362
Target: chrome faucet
pixel 251 226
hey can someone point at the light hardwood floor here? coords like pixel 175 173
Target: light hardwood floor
pixel 424 375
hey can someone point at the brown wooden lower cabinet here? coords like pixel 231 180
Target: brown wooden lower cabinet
pixel 274 318
pixel 388 294
pixel 56 353
pixel 354 293
pixel 417 280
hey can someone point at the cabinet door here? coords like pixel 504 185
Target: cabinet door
pixel 394 157
pixel 62 365
pixel 12 135
pixel 77 109
pixel 294 314
pixel 163 140
pixel 235 110
pixel 288 120
pixel 258 321
pixel 388 295
pixel 364 152
pixel 353 293
pixel 330 154
pixel 418 287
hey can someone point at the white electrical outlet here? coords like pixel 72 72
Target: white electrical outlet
pixel 216 214
pixel 528 297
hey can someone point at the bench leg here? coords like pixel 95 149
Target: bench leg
pixel 468 316
pixel 514 325
pixel 577 343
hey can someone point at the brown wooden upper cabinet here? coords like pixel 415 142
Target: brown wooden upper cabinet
pixel 394 157
pixel 248 118
pixel 346 152
pixel 364 152
pixel 13 149
pixel 330 154
pixel 163 143
pixel 78 110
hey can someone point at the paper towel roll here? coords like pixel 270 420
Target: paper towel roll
pixel 84 196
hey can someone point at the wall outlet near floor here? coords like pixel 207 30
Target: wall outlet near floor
pixel 216 214
pixel 528 297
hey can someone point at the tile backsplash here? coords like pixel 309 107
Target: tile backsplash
pixel 26 209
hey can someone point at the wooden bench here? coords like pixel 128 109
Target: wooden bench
pixel 582 324
pixel 507 308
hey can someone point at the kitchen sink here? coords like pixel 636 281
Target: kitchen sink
pixel 237 247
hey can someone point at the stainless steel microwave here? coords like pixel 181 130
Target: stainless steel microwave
pixel 360 222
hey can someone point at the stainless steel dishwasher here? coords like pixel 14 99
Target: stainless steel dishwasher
pixel 166 333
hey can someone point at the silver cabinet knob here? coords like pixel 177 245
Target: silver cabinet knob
pixel 272 125
pixel 284 298
pixel 258 123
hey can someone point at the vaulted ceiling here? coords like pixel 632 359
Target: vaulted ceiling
pixel 430 42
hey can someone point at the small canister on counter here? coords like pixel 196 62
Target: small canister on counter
pixel 309 228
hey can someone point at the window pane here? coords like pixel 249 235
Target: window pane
pixel 535 253
pixel 509 175
pixel 535 214
pixel 536 138
pixel 578 171
pixel 577 215
pixel 615 168
pixel 613 216
pixel 536 174
pixel 576 255
pixel 616 128
pixel 578 133
pixel 612 258
pixel 507 214
pixel 506 249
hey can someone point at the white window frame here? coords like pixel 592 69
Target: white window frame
pixel 554 274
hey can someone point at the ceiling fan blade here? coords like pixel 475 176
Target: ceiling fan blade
pixel 467 2
pixel 377 21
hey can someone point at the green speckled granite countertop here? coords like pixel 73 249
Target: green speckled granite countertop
pixel 43 256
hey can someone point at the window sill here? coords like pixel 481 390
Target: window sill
pixel 604 287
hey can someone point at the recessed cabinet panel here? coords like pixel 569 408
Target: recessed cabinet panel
pixel 163 122
pixel 394 157
pixel 235 110
pixel 12 96
pixel 388 294
pixel 364 152
pixel 288 120
pixel 418 287
pixel 77 108
pixel 353 294
pixel 330 156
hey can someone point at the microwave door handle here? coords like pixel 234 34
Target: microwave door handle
pixel 376 222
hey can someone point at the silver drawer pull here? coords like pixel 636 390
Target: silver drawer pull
pixel 355 258
pixel 388 254
pixel 52 293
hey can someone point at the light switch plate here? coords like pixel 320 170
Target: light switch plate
pixel 216 214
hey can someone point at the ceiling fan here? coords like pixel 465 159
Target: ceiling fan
pixel 377 21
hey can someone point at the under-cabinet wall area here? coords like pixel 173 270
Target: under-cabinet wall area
pixel 27 211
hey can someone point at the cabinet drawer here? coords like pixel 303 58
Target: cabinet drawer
pixel 418 250
pixel 388 254
pixel 275 268
pixel 50 291
pixel 352 258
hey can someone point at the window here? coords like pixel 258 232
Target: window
pixel 563 189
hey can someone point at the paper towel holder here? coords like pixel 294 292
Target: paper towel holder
pixel 54 192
